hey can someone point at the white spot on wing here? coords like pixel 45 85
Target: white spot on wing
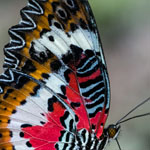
pixel 54 83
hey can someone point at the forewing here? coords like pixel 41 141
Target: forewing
pixel 55 81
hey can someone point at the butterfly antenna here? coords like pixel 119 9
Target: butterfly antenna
pixel 143 102
pixel 118 144
pixel 138 116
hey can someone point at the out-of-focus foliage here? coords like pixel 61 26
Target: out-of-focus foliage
pixel 120 16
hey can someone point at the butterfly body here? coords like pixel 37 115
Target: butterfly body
pixel 54 93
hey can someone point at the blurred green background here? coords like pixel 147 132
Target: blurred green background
pixel 124 27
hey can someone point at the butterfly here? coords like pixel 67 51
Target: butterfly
pixel 54 92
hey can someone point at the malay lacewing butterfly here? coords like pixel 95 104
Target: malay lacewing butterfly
pixel 54 92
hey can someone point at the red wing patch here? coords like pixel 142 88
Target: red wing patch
pixel 46 136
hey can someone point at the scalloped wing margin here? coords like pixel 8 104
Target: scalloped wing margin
pixel 54 55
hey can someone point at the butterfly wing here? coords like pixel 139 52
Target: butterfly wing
pixel 55 81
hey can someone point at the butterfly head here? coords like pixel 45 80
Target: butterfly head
pixel 112 131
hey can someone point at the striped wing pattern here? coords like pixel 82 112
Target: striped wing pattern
pixel 54 92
